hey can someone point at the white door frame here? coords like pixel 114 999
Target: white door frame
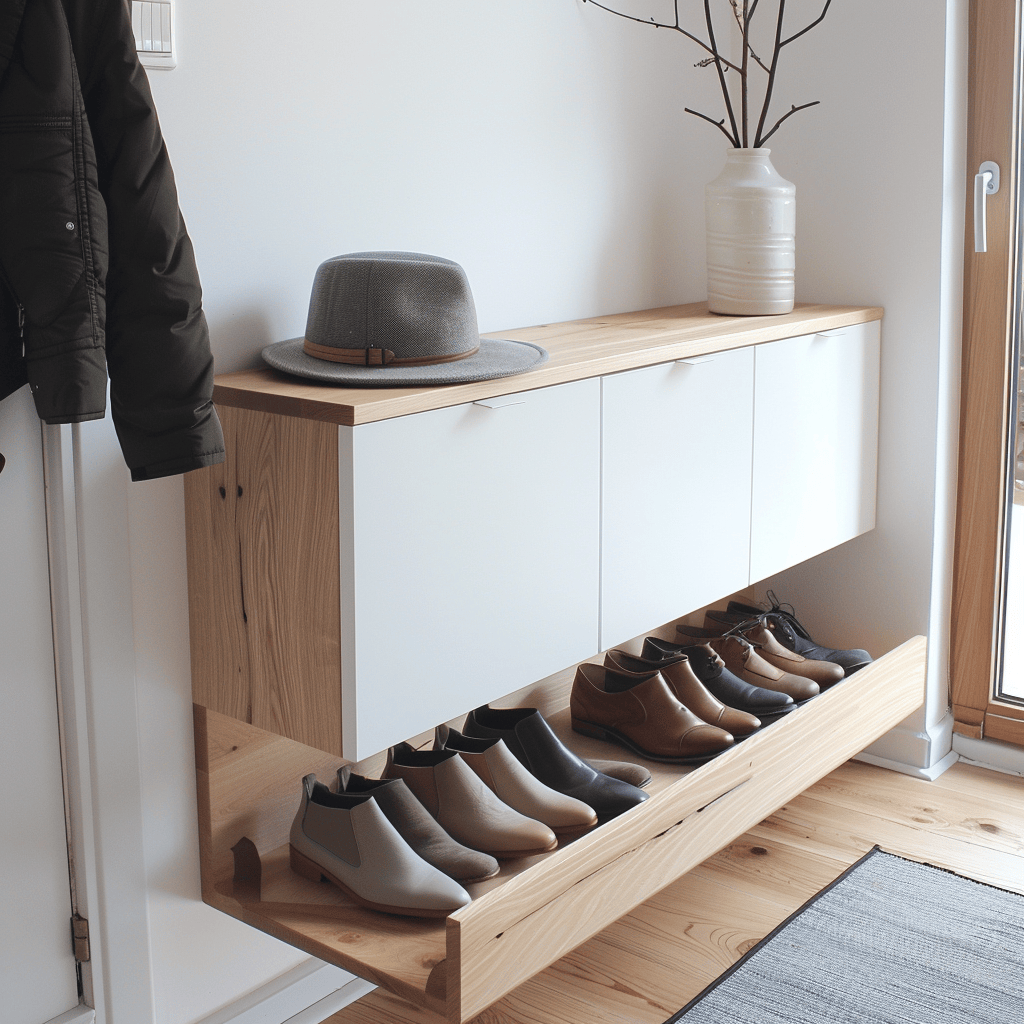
pixel 90 590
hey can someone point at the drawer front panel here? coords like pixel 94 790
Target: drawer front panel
pixel 675 489
pixel 470 562
pixel 815 445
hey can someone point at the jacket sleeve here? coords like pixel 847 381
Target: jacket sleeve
pixel 157 346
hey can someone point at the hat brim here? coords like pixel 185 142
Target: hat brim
pixel 495 358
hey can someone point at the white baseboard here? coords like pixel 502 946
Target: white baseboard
pixel 931 773
pixel 1000 757
pixel 307 994
pixel 76 1015
pixel 924 753
pixel 320 1011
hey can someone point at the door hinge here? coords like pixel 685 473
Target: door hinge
pixel 80 938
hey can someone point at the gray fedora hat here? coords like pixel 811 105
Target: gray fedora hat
pixel 396 319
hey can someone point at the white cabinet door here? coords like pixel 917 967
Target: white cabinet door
pixel 469 564
pixel 815 445
pixel 38 978
pixel 675 489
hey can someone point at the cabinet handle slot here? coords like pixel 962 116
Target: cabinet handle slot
pixel 501 402
pixel 695 360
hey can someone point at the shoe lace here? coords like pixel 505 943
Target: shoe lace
pixel 738 632
pixel 787 611
pixel 745 642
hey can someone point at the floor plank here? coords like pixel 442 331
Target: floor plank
pixel 645 966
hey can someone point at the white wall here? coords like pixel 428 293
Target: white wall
pixel 874 181
pixel 542 144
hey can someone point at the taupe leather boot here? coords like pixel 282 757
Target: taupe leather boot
pixel 513 784
pixel 346 839
pixel 419 829
pixel 464 807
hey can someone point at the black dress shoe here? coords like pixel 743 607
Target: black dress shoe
pixel 626 771
pixel 768 705
pixel 790 633
pixel 544 755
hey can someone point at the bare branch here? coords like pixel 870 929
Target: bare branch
pixel 629 17
pixel 717 124
pixel 750 18
pixel 721 71
pixel 744 93
pixel 789 113
pixel 736 13
pixel 817 21
pixel 771 74
pixel 673 28
pixel 757 60
pixel 743 12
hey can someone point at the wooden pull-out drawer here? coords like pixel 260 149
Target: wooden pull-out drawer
pixel 539 908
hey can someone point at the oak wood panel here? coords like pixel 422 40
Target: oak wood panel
pixel 288 479
pixel 985 365
pixel 578 349
pixel 644 967
pixel 216 611
pixel 264 585
pixel 536 918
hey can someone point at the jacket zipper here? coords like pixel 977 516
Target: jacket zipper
pixel 17 124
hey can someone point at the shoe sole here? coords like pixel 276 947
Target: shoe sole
pixel 511 854
pixel 302 865
pixel 478 878
pixel 603 732
pixel 573 830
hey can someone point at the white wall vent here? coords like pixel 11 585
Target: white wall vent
pixel 153 25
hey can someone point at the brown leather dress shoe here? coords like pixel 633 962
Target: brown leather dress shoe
pixel 743 660
pixel 688 690
pixel 824 673
pixel 646 718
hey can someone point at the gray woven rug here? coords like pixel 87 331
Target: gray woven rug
pixel 889 942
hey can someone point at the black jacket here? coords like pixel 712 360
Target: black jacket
pixel 97 272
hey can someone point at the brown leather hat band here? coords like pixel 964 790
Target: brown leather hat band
pixel 374 356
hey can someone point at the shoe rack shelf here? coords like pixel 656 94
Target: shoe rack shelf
pixel 370 563
pixel 538 908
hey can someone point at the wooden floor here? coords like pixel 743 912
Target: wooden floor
pixel 648 964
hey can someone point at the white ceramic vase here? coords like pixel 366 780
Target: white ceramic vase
pixel 751 236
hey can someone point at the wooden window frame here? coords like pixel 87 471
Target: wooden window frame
pixel 990 286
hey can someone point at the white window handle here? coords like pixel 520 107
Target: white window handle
pixel 986 183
